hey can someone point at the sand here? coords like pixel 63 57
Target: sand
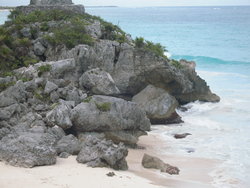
pixel 67 173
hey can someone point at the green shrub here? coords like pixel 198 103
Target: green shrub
pixel 139 42
pixel 176 64
pixel 104 107
pixel 155 48
pixel 44 68
pixel 87 100
pixel 44 26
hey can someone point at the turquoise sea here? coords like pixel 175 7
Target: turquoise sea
pixel 218 39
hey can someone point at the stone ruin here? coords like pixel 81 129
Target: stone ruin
pixel 52 4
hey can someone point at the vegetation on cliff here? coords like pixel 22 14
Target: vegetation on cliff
pixel 55 27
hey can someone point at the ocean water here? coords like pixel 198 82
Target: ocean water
pixel 3 16
pixel 218 40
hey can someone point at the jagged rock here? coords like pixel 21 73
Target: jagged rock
pixel 98 82
pixel 94 29
pixel 68 144
pixel 13 95
pixel 180 136
pixel 71 93
pixel 39 49
pixel 49 87
pixel 157 103
pixel 103 153
pixel 156 163
pixel 57 132
pixel 7 112
pixel 60 115
pixel 28 149
pixel 103 113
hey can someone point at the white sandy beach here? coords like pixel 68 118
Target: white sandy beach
pixel 67 173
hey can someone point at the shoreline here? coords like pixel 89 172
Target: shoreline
pixel 67 173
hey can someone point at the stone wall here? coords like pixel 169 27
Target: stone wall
pixel 50 2
pixel 74 8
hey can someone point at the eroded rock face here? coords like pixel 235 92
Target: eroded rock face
pixel 157 103
pixel 103 113
pixel 50 2
pixel 98 82
pixel 103 153
pixel 154 162
pixel 68 144
pixel 28 149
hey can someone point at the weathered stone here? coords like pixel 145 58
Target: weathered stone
pixel 39 49
pixel 60 115
pixel 156 163
pixel 94 29
pixel 180 136
pixel 64 155
pixel 98 82
pixel 49 87
pixel 103 153
pixel 157 103
pixel 57 132
pixel 68 144
pixel 51 2
pixel 28 149
pixel 126 137
pixel 103 113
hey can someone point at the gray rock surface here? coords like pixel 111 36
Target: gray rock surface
pixel 156 163
pixel 68 144
pixel 157 103
pixel 103 113
pixel 103 153
pixel 39 49
pixel 49 87
pixel 28 149
pixel 60 115
pixel 98 82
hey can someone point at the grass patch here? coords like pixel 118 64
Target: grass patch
pixel 87 100
pixel 4 86
pixel 104 107
pixel 44 68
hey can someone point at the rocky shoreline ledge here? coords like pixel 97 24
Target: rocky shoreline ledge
pixel 73 84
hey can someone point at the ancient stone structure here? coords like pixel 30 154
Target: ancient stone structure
pixel 52 4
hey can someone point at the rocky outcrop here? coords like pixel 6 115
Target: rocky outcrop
pixel 103 113
pixel 28 149
pixel 180 136
pixel 68 144
pixel 157 103
pixel 98 82
pixel 156 163
pixel 103 153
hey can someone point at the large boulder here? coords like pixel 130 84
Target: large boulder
pixel 103 153
pixel 156 163
pixel 98 82
pixel 68 144
pixel 157 103
pixel 28 149
pixel 103 113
